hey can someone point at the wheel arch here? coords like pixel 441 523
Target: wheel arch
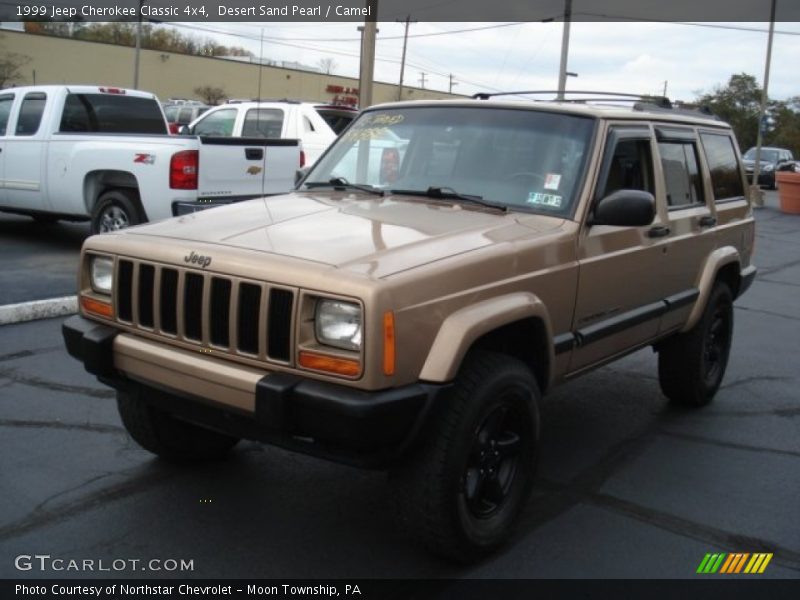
pixel 96 183
pixel 515 324
pixel 723 264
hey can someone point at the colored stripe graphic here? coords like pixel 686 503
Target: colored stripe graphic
pixel 734 563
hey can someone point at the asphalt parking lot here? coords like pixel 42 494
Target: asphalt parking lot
pixel 628 487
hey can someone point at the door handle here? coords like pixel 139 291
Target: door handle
pixel 254 153
pixel 708 221
pixel 658 231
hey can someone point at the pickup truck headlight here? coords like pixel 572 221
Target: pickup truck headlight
pixel 338 324
pixel 101 273
pixel 768 168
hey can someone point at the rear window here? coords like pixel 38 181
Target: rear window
pixel 106 113
pixel 263 122
pixel 337 118
pixel 726 177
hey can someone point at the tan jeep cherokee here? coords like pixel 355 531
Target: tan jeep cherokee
pixel 441 267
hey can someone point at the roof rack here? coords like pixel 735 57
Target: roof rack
pixel 641 102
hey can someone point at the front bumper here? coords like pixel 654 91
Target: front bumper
pixel 340 423
pixel 765 178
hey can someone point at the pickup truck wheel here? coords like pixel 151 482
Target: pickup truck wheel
pixel 691 365
pixel 114 210
pixel 461 493
pixel 166 436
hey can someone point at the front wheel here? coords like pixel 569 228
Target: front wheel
pixel 114 210
pixel 691 365
pixel 462 492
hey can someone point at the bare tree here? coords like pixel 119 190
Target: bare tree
pixel 11 65
pixel 327 65
pixel 210 94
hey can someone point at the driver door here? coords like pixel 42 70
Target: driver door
pixel 620 268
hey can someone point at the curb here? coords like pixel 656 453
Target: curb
pixel 38 309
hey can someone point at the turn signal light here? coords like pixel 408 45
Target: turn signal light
pixel 96 307
pixel 388 343
pixel 321 362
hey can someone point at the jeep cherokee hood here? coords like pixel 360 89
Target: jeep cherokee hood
pixel 371 235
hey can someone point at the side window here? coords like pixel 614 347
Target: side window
pixel 219 123
pixel 263 122
pixel 185 116
pixel 30 113
pixel 5 111
pixel 631 167
pixel 726 179
pixel 681 173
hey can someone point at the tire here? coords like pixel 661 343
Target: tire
pixel 166 436
pixel 691 365
pixel 116 209
pixel 462 491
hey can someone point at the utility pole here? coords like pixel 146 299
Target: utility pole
pixel 138 46
pixel 422 80
pixel 665 88
pixel 408 22
pixel 562 71
pixel 452 83
pixel 755 191
pixel 367 70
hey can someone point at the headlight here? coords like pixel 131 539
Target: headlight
pixel 768 168
pixel 101 273
pixel 338 324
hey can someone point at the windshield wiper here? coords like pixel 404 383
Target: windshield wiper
pixel 446 193
pixel 341 184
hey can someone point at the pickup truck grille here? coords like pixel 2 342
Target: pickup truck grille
pixel 247 318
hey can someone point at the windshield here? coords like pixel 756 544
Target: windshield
pixel 522 159
pixel 766 155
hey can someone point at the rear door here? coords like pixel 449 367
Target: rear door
pixel 691 220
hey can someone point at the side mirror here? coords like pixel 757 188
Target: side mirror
pixel 300 174
pixel 184 130
pixel 625 208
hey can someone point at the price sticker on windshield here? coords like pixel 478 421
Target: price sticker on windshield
pixel 548 200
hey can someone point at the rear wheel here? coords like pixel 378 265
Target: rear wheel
pixel 116 209
pixel 462 492
pixel 691 365
pixel 166 436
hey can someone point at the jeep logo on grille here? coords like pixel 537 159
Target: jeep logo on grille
pixel 197 259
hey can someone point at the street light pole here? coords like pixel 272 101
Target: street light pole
pixel 755 191
pixel 562 70
pixel 138 50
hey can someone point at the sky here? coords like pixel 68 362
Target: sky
pixel 626 57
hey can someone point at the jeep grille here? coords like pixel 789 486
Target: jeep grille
pixel 248 318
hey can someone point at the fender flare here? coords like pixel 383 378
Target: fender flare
pixel 719 258
pixel 462 328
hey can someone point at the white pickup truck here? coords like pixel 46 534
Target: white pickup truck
pixel 103 154
pixel 315 125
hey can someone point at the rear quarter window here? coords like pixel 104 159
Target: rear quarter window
pixel 107 113
pixel 723 166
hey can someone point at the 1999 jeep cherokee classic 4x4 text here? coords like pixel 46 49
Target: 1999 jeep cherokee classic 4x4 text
pixel 441 267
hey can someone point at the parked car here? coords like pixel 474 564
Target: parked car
pixel 771 160
pixel 183 114
pixel 103 154
pixel 312 124
pixel 413 317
